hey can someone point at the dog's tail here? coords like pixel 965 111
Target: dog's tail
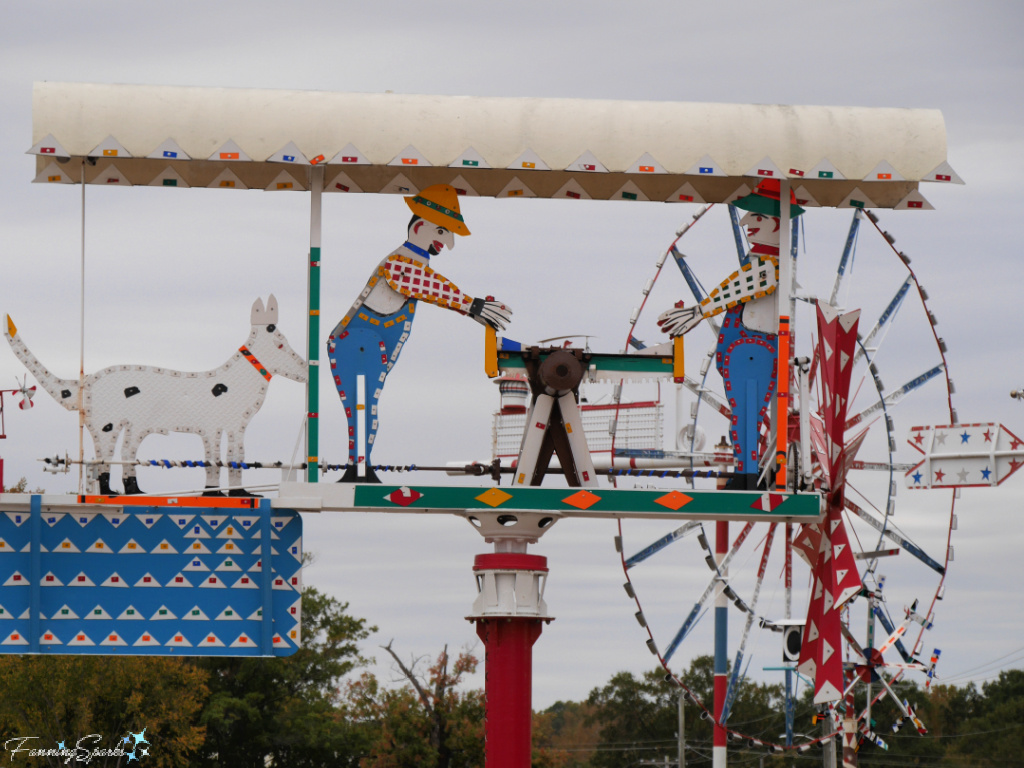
pixel 64 391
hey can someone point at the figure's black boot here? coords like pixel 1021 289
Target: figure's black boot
pixel 104 481
pixel 746 481
pixel 737 482
pixel 131 486
pixel 352 475
pixel 242 493
pixel 212 490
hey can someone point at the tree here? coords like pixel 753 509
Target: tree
pixel 21 487
pixel 283 710
pixel 564 735
pixel 638 717
pixel 66 698
pixel 427 721
pixel 993 733
pixel 948 707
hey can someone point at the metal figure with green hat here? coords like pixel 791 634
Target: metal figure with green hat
pixel 747 351
pixel 365 345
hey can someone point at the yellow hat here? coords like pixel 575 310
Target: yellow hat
pixel 439 204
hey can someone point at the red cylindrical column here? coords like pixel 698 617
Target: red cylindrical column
pixel 509 614
pixel 508 685
pixel 721 735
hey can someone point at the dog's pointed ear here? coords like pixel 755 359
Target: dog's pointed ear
pixel 271 313
pixel 258 313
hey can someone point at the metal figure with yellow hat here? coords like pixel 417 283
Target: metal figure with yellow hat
pixel 747 351
pixel 365 345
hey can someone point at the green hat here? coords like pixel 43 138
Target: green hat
pixel 765 200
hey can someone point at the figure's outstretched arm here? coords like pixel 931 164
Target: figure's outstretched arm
pixel 490 312
pixel 755 280
pixel 418 281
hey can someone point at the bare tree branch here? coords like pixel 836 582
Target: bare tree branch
pixel 425 697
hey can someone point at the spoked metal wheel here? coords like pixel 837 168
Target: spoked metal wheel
pixel 899 380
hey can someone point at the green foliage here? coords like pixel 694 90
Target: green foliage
pixel 21 487
pixel 65 698
pixel 638 717
pixel 992 732
pixel 428 721
pixel 565 735
pixel 285 709
pixel 634 722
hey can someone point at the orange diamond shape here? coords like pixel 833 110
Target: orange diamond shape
pixel 493 497
pixel 582 499
pixel 674 501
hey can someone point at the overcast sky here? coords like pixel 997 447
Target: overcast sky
pixel 171 274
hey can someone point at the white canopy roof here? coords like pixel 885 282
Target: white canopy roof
pixel 501 147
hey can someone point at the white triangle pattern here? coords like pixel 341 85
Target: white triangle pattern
pixel 827 692
pixel 826 650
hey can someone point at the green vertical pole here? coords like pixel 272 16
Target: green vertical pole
pixel 316 189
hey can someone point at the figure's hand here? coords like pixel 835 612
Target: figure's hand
pixel 490 312
pixel 679 320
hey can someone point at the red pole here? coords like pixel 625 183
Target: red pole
pixel 721 735
pixel 508 684
pixel 509 615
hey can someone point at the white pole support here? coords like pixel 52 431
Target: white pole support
pixel 536 427
pixel 577 440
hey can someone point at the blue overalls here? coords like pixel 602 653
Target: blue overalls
pixel 368 345
pixel 748 363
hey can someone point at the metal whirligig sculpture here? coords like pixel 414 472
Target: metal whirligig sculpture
pixel 747 353
pixel 141 400
pixel 365 345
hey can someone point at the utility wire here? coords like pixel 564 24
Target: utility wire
pixel 967 672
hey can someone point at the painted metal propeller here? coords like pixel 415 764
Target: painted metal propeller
pixel 27 393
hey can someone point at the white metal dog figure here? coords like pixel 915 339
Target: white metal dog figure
pixel 142 400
